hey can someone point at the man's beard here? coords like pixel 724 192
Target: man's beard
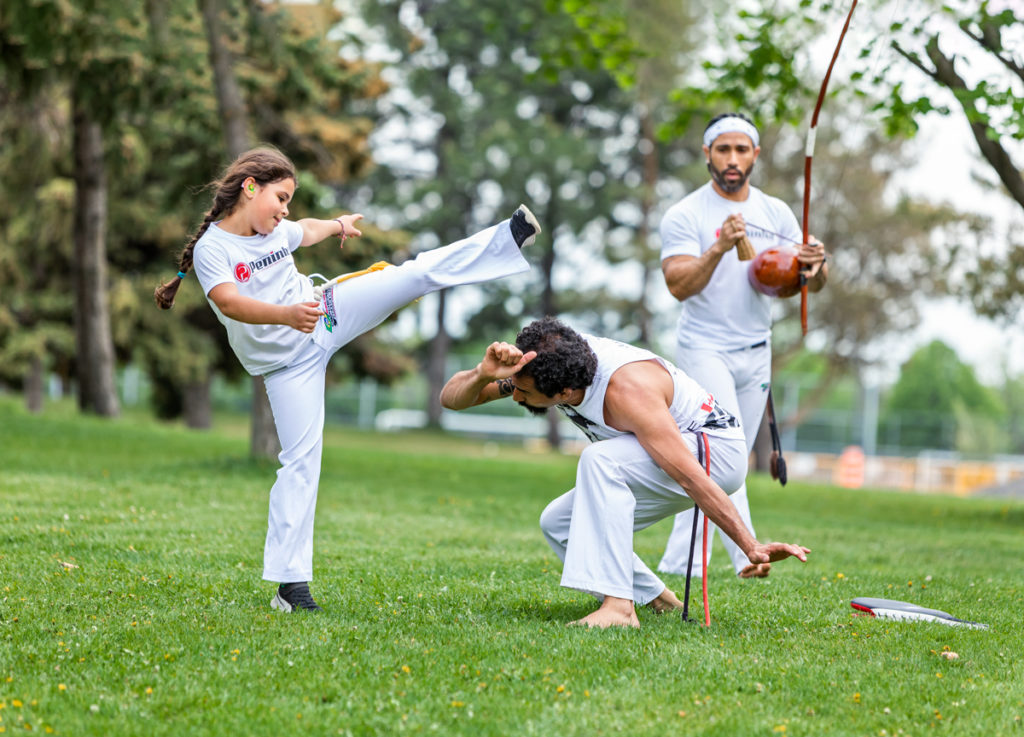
pixel 538 411
pixel 721 181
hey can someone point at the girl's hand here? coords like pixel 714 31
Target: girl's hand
pixel 348 226
pixel 303 316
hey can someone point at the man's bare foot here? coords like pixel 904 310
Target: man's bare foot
pixel 604 620
pixel 756 570
pixel 667 601
pixel 613 612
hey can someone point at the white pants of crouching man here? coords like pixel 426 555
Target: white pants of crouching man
pixel 619 490
pixel 297 392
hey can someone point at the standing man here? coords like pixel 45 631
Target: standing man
pixel 724 334
pixel 648 422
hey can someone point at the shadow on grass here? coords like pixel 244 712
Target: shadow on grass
pixel 544 610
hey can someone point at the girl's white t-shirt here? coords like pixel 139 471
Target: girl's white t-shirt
pixel 728 313
pixel 261 267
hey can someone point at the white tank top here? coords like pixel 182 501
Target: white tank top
pixel 692 408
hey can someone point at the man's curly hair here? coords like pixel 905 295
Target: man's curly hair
pixel 564 360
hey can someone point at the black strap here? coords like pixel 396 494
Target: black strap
pixel 762 344
pixel 693 533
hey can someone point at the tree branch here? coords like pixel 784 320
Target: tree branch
pixel 990 39
pixel 993 151
pixel 912 58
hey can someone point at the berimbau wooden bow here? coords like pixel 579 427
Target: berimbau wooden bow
pixel 809 154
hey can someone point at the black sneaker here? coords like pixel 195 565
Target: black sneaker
pixel 292 596
pixel 524 226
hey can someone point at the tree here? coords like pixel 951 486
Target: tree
pixel 304 98
pixel 959 58
pixel 946 43
pixel 506 129
pixel 97 51
pixel 884 256
pixel 93 341
pixel 938 403
pixel 993 105
pixel 36 203
pixel 263 440
pixel 1012 397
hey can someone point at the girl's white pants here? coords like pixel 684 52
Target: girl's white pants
pixel 297 391
pixel 739 381
pixel 620 489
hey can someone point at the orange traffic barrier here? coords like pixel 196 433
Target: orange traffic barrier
pixel 850 470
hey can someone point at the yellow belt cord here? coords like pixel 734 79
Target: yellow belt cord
pixel 318 290
pixel 380 265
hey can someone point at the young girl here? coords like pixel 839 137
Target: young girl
pixel 282 330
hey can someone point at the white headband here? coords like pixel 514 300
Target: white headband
pixel 731 124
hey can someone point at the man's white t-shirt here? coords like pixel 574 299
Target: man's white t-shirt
pixel 728 313
pixel 262 267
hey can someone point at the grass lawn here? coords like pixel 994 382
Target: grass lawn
pixel 131 601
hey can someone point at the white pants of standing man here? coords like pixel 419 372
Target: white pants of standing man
pixel 297 391
pixel 619 490
pixel 739 380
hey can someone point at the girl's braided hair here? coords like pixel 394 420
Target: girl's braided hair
pixel 265 165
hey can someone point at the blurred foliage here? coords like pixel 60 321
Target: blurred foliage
pixel 769 62
pixel 145 72
pixel 957 58
pixel 935 383
pixel 552 102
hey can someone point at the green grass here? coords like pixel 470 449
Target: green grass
pixel 131 601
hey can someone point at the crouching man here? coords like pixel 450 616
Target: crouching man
pixel 647 421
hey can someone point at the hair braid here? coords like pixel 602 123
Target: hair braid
pixel 164 294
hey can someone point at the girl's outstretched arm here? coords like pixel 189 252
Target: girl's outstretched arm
pixel 314 231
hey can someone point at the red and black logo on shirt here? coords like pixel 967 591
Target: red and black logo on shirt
pixel 244 271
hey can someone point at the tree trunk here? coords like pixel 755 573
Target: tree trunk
pixel 437 364
pixel 230 102
pixel 198 405
pixel 264 442
pixel 762 447
pixel 549 306
pixel 441 343
pixel 34 386
pixel 651 173
pixel 94 343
